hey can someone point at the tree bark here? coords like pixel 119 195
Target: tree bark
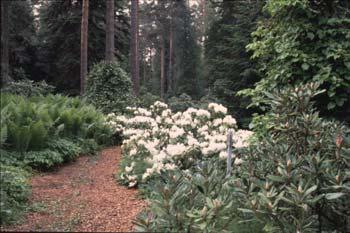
pixel 84 45
pixel 109 31
pixel 135 66
pixel 5 42
pixel 162 78
pixel 171 55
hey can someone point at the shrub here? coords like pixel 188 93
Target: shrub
pixel 296 179
pixel 88 146
pixel 156 139
pixel 67 149
pixel 43 160
pixel 28 88
pixel 15 190
pixel 196 200
pixel 108 87
pixel 31 122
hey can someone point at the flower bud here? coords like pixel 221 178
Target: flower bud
pixel 289 165
pixel 204 211
pixel 337 178
pixel 339 141
pixel 269 206
pixel 267 185
pixel 300 189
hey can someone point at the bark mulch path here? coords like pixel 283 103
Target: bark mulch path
pixel 82 196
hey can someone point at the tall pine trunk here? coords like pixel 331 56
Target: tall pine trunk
pixel 162 78
pixel 171 54
pixel 134 59
pixel 5 42
pixel 109 30
pixel 84 45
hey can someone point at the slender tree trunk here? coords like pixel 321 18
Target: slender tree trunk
pixel 152 62
pixel 135 66
pixel 204 19
pixel 109 30
pixel 162 78
pixel 5 42
pixel 84 45
pixel 171 55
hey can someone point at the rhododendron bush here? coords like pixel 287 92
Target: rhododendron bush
pixel 157 139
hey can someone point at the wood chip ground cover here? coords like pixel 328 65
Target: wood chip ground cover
pixel 82 196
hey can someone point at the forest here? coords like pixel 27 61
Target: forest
pixel 175 116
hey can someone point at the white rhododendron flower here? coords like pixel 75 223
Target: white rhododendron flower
pixel 238 161
pixel 163 140
pixel 176 132
pixel 177 149
pixel 218 108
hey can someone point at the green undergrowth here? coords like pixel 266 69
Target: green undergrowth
pixel 40 133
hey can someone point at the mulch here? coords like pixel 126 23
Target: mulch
pixel 82 196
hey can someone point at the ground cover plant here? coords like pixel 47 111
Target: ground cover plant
pixel 41 132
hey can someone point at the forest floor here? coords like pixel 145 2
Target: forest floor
pixel 82 196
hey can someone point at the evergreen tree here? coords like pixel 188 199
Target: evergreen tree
pixel 134 56
pixel 22 40
pixel 229 69
pixel 186 52
pixel 60 39
pixel 84 45
pixel 4 42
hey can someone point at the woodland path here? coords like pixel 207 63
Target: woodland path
pixel 82 196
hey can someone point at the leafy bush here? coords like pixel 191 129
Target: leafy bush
pixel 28 88
pixel 181 103
pixel 196 200
pixel 302 42
pixel 15 190
pixel 67 149
pixel 31 122
pixel 108 87
pixel 156 139
pixel 43 159
pixel 11 158
pixel 296 179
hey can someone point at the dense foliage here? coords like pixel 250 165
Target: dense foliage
pixel 60 36
pixel 296 178
pixel 40 132
pixel 14 192
pixel 28 88
pixel 200 200
pixel 109 87
pixel 291 178
pixel 305 41
pixel 156 139
pixel 228 68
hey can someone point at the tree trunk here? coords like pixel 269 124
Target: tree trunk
pixel 109 30
pixel 204 19
pixel 135 66
pixel 162 79
pixel 84 45
pixel 171 55
pixel 5 42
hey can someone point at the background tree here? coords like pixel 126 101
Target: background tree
pixel 134 58
pixel 84 46
pixel 4 42
pixel 110 13
pixel 59 36
pixel 229 68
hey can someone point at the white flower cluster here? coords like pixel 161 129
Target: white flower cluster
pixel 157 139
